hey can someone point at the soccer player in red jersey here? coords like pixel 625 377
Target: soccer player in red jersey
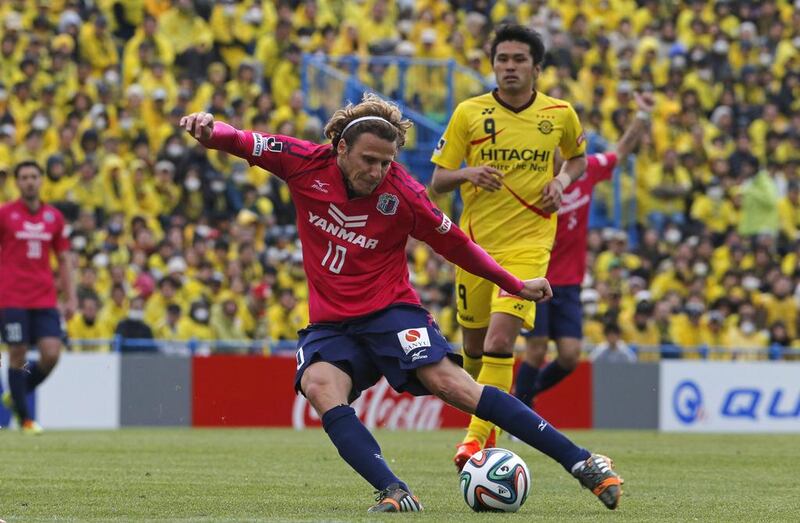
pixel 30 230
pixel 356 208
pixel 561 319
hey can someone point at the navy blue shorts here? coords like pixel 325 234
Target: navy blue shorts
pixel 561 317
pixel 393 343
pixel 27 326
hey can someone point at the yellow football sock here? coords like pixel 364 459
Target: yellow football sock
pixel 497 372
pixel 472 365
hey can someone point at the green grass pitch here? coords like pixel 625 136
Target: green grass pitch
pixel 283 475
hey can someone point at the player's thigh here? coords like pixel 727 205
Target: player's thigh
pixel 452 384
pixel 337 348
pixel 16 325
pixel 566 313
pixel 401 340
pixel 46 333
pixel 325 385
pixel 473 299
pixel 524 266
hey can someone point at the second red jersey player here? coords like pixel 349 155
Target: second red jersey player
pixel 568 259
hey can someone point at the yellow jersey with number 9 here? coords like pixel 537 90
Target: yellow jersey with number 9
pixel 520 143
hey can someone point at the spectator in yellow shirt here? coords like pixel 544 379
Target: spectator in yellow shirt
pixel 97 47
pixel 116 309
pixel 666 185
pixel 642 333
pixel 84 329
pixel 197 328
pixel 286 317
pixel 190 36
pixel 780 305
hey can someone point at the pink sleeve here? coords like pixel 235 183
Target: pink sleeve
pixel 600 167
pixel 437 230
pixel 278 154
pixel 473 259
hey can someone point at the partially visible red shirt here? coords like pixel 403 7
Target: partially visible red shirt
pixel 26 241
pixel 568 259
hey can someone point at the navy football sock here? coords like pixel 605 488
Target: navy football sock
pixel 511 415
pixel 525 385
pixel 18 385
pixel 550 375
pixel 357 447
pixel 35 376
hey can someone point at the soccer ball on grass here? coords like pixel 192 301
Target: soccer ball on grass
pixel 495 480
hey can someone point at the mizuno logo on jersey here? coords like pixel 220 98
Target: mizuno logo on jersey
pixel 340 231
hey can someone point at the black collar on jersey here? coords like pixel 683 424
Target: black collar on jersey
pixel 512 108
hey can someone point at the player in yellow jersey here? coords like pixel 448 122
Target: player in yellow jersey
pixel 508 138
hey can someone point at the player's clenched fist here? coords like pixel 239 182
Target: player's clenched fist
pixel 199 125
pixel 485 177
pixel 537 290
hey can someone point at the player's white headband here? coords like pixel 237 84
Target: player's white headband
pixel 363 119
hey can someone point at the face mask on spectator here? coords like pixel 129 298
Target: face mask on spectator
pixel 174 150
pixel 704 74
pixel 100 124
pixel 100 260
pixel 40 122
pixel 201 315
pixel 78 243
pixel 192 184
pixel 747 328
pixel 126 123
pixel 240 178
pixel 111 77
pixel 590 308
pixel 751 283
pixel 218 186
pixel 715 192
pixel 700 269
pixel 672 236
pixel 136 315
pixel 254 15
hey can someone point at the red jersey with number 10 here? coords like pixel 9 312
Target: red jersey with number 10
pixel 26 241
pixel 568 259
pixel 354 248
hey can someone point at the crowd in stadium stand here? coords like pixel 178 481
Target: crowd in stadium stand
pixel 194 244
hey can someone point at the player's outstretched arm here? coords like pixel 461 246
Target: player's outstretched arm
pixel 483 176
pixel 645 105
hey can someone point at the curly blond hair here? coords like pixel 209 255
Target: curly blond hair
pixel 371 105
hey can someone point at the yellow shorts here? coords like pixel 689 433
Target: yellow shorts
pixel 477 299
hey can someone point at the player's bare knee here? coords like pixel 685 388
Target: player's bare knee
pixel 499 343
pixel 569 353
pixel 16 356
